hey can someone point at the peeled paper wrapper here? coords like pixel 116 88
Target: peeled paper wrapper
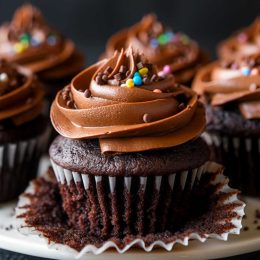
pixel 240 156
pixel 235 207
pixel 19 164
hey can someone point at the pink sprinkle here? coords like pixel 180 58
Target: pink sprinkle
pixel 242 37
pixel 254 72
pixel 167 69
pixel 157 90
pixel 161 73
pixel 234 66
pixel 173 38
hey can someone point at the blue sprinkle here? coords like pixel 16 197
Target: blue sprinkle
pixel 52 40
pixel 246 71
pixel 137 80
pixel 34 42
pixel 137 74
pixel 154 43
pixel 169 35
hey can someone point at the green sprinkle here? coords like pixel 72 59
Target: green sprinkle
pixel 25 38
pixel 162 39
pixel 185 39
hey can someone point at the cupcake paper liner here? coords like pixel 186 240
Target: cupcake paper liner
pixel 19 164
pixel 150 204
pixel 241 157
pixel 230 223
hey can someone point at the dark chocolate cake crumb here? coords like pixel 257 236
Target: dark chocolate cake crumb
pixel 246 228
pixel 9 228
pixel 87 93
pixel 89 159
pixel 45 213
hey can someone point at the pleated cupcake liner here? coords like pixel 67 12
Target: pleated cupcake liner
pixel 147 204
pixel 241 157
pixel 226 201
pixel 19 164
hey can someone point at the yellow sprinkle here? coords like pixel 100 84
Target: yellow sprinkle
pixel 143 71
pixel 19 47
pixel 25 44
pixel 130 83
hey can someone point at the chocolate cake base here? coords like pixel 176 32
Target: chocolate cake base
pixel 20 151
pixel 45 213
pixel 241 157
pixel 229 121
pixel 129 193
pixel 84 156
pixel 32 129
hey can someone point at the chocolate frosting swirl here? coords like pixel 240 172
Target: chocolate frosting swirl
pixel 21 95
pixel 246 42
pixel 234 83
pixel 161 46
pixel 155 115
pixel 29 41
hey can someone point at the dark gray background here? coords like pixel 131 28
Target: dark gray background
pixel 90 22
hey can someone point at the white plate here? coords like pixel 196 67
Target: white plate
pixel 248 241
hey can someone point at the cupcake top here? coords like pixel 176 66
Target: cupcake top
pixel 21 95
pixel 234 84
pixel 172 52
pixel 123 102
pixel 30 41
pixel 243 43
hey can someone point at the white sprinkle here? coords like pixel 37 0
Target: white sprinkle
pixel 3 77
pixel 253 87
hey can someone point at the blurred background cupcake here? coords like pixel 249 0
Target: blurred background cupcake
pixel 130 162
pixel 28 40
pixel 173 52
pixel 242 43
pixel 23 128
pixel 231 91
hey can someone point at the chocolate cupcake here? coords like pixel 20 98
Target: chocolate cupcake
pixel 243 43
pixel 173 53
pixel 129 162
pixel 29 41
pixel 22 128
pixel 232 94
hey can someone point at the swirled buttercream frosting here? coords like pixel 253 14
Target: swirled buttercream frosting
pixel 123 102
pixel 172 52
pixel 235 83
pixel 29 41
pixel 246 42
pixel 21 95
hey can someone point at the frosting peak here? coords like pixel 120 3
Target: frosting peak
pixel 124 66
pixel 30 41
pixel 152 114
pixel 21 95
pixel 26 32
pixel 243 43
pixel 161 46
pixel 26 18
